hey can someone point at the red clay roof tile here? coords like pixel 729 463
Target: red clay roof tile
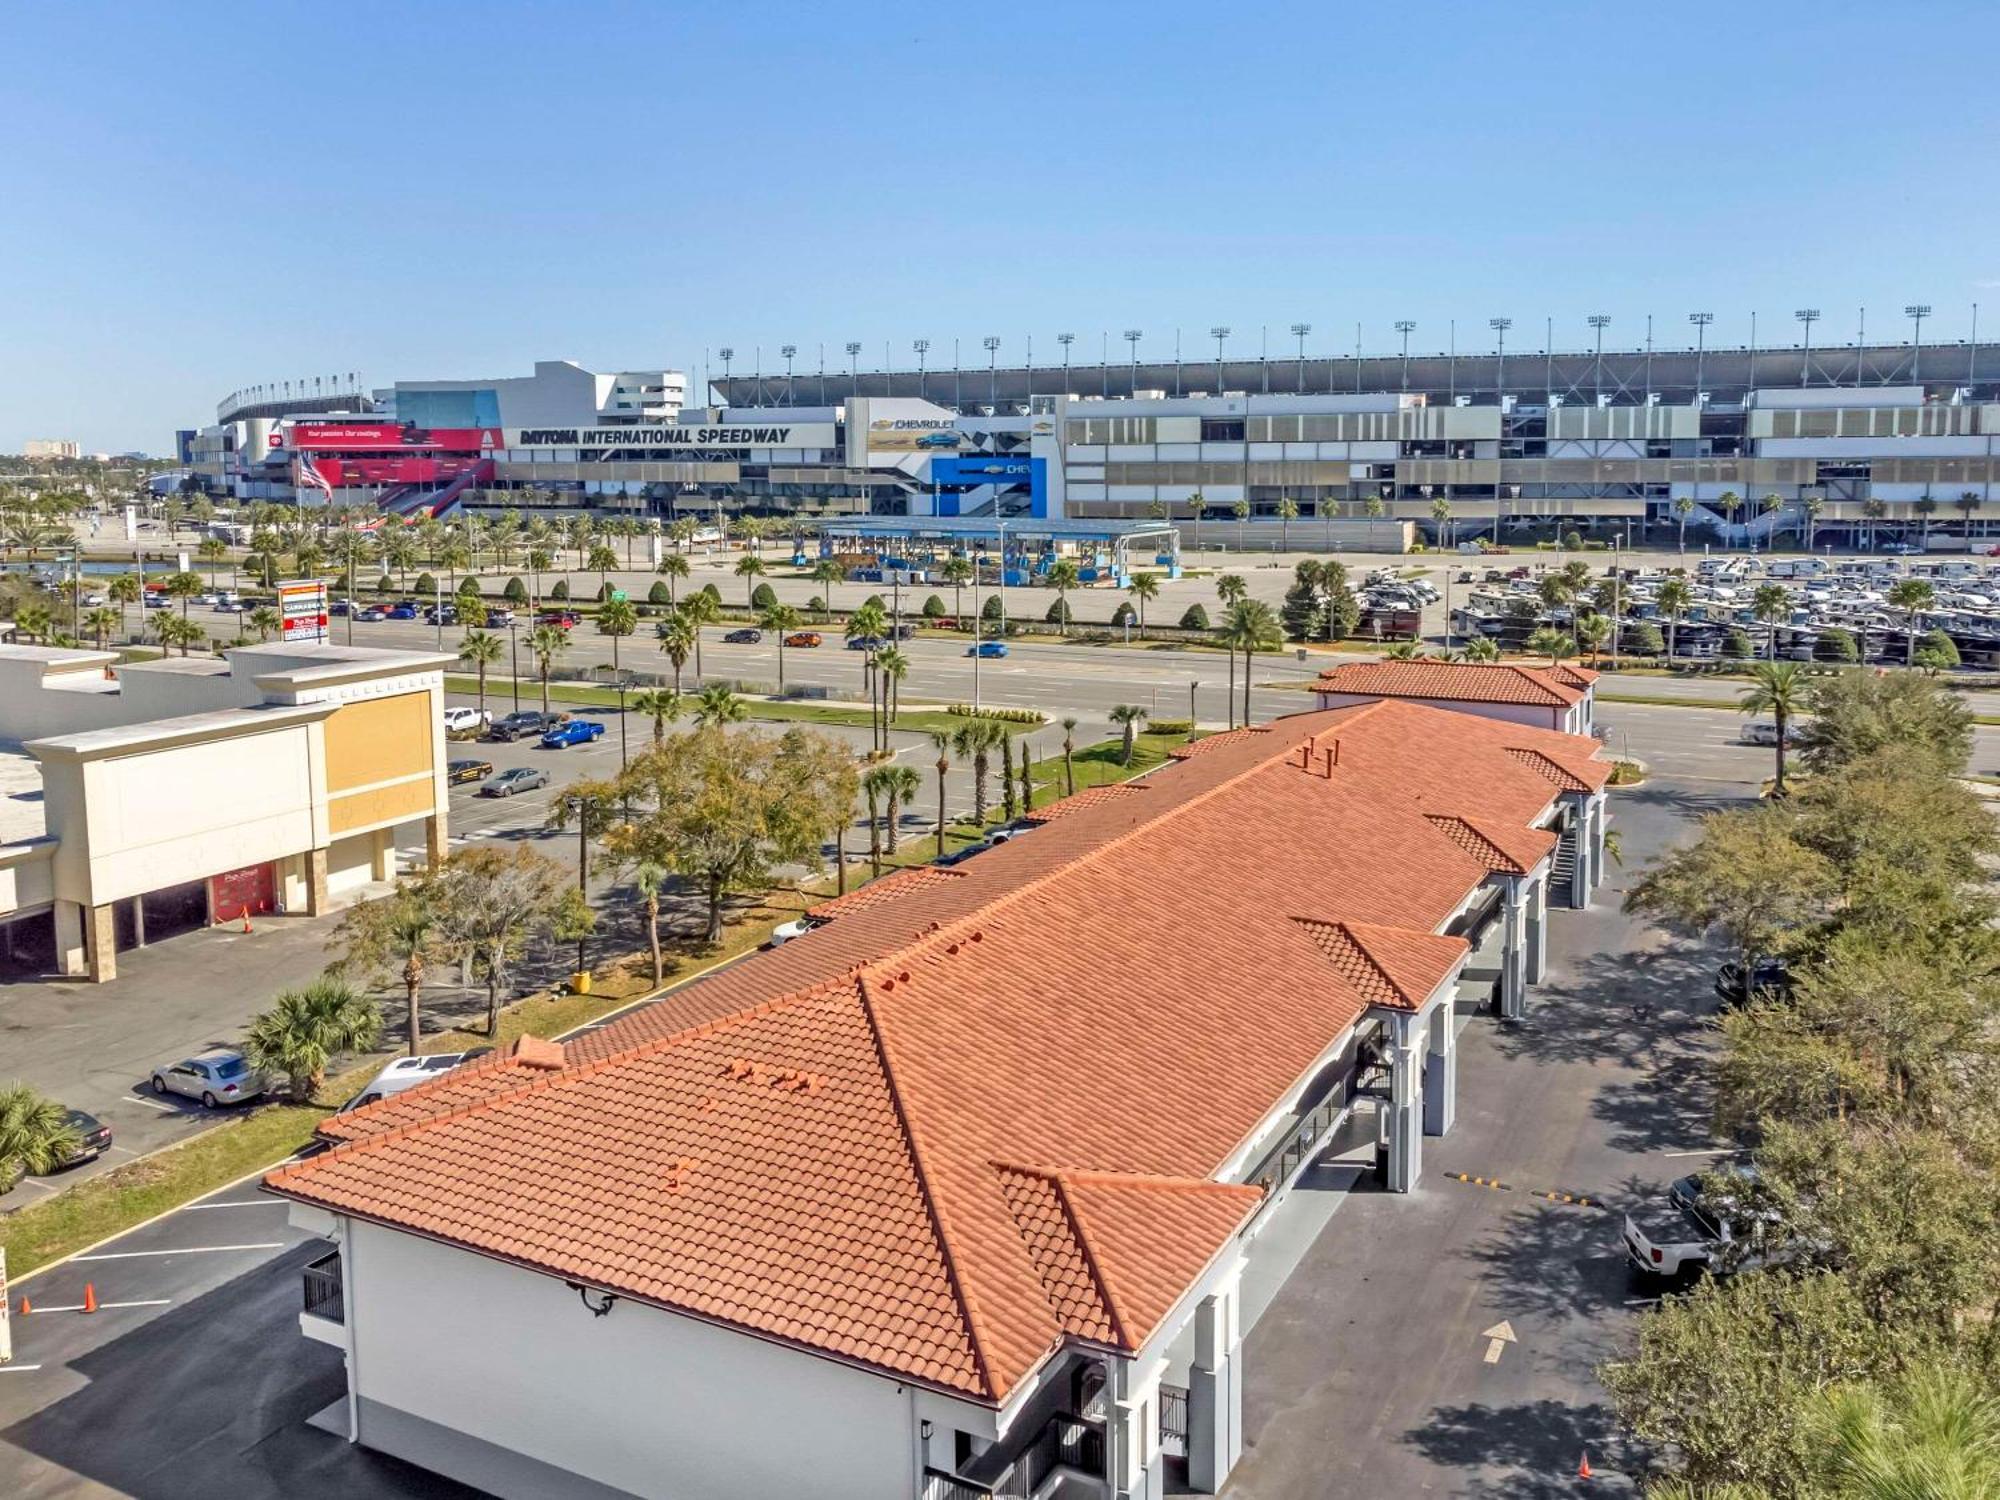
pixel 1459 682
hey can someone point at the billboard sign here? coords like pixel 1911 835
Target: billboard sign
pixel 372 437
pixel 981 468
pixel 913 435
pixel 676 435
pixel 302 608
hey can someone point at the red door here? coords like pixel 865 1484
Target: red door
pixel 254 889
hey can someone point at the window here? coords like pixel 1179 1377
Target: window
pixel 1222 429
pixel 233 1067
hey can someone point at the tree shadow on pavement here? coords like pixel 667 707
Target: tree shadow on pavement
pixel 1540 1443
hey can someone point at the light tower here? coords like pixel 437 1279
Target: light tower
pixel 1916 312
pixel 1500 327
pixel 791 395
pixel 922 347
pixel 1220 333
pixel 992 343
pixel 1701 320
pixel 1299 332
pixel 1065 339
pixel 1598 321
pixel 1132 337
pixel 725 354
pixel 1406 327
pixel 1807 316
pixel 853 367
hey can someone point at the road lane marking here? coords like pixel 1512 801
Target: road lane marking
pixel 165 1109
pixel 190 1250
pixel 1709 1151
pixel 17 1369
pixel 1498 1337
pixel 244 1203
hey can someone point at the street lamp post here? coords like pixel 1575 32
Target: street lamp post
pixel 1807 316
pixel 1500 327
pixel 1598 321
pixel 1220 333
pixel 1406 327
pixel 1299 332
pixel 992 343
pixel 922 347
pixel 514 651
pixel 1132 337
pixel 1701 320
pixel 1916 312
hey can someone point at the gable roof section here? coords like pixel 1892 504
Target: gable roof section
pixel 1570 773
pixel 1502 850
pixel 1457 682
pixel 1088 798
pixel 468 1083
pixel 1390 966
pixel 888 888
pixel 803 1145
pixel 1575 676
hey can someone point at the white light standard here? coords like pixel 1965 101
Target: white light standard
pixel 1598 321
pixel 1065 339
pixel 1701 321
pixel 1807 316
pixel 1406 327
pixel 1132 337
pixel 992 343
pixel 1500 327
pixel 1220 333
pixel 853 368
pixel 788 350
pixel 725 355
pixel 922 347
pixel 1299 332
pixel 1916 312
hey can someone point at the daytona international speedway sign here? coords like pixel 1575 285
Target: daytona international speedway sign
pixel 675 435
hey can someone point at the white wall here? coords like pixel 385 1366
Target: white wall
pixel 641 1400
pixel 1512 713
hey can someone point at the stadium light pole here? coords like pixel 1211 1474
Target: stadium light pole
pixel 1299 332
pixel 1807 316
pixel 1500 327
pixel 1065 339
pixel 1220 333
pixel 1406 327
pixel 992 343
pixel 1132 337
pixel 791 395
pixel 1597 321
pixel 922 347
pixel 725 355
pixel 1701 320
pixel 853 368
pixel 1916 312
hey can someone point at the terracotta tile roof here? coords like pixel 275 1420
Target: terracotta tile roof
pixel 1575 676
pixel 880 892
pixel 495 1073
pixel 804 1144
pixel 1459 682
pixel 1505 851
pixel 1391 966
pixel 1089 797
pixel 1571 773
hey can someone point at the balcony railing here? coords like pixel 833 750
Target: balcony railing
pixel 322 1289
pixel 938 1485
pixel 1174 1420
pixel 1065 1442
pixel 1300 1140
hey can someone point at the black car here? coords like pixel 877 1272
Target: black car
pixel 1768 976
pixel 458 772
pixel 523 726
pixel 743 638
pixel 93 1137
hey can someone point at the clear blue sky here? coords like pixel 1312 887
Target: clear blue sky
pixel 200 196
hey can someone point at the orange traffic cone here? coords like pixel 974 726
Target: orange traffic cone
pixel 246 917
pixel 25 1308
pixel 1583 1469
pixel 89 1297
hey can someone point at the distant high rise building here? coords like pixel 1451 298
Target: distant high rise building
pixel 50 448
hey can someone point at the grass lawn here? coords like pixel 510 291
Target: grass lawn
pixel 788 711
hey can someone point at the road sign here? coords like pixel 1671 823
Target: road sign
pixel 302 608
pixel 618 596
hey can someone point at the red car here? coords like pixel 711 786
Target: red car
pixel 569 619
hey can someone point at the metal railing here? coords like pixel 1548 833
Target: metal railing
pixel 939 1485
pixel 323 1289
pixel 1065 1442
pixel 1174 1420
pixel 1301 1139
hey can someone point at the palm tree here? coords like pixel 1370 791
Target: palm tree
pixel 1288 512
pixel 34 1132
pixel 875 787
pixel 1966 503
pixel 648 878
pixel 715 704
pixel 1231 589
pixel 1812 505
pixel 702 608
pixel 974 741
pixel 1240 510
pixel 749 568
pixel 1441 513
pixel 781 620
pixel 1197 503
pixel 35 620
pixel 1912 596
pixel 1729 502
pixel 1552 643
pixel 1770 603
pixel 941 741
pixel 126 590
pixel 1778 688
pixel 1145 586
pixel 1069 757
pixel 483 649
pixel 1063 575
pixel 1683 508
pixel 678 636
pixel 172 630
pixel 1481 648
pixel 265 621
pixel 672 567
pixel 183 586
pixel 661 705
pixel 1933 1435
pixel 547 643
pixel 307 1027
pixel 893 663
pixel 958 572
pixel 100 622
pixel 1874 510
pixel 1128 716
pixel 904 782
pixel 1924 507
pixel 1250 628
pixel 1592 631
pixel 1676 598
pixel 601 560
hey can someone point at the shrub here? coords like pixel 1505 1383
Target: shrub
pixel 1169 726
pixel 1736 646
pixel 1058 612
pixel 1007 715
pixel 385 584
pixel 1626 773
pixel 1125 614
pixel 934 608
pixel 1644 637
pixel 1837 646
pixel 1573 540
pixel 516 592
pixel 561 590
pixel 658 594
pixel 763 596
pixel 427 583
pixel 816 605
pixel 712 591
pixel 990 610
pixel 1935 651
pixel 1196 618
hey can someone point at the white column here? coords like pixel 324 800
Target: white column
pixel 1580 841
pixel 1406 1105
pixel 1513 953
pixel 1538 928
pixel 72 946
pixel 1441 1070
pixel 1215 1393
pixel 1598 818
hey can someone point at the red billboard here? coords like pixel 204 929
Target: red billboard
pixel 376 437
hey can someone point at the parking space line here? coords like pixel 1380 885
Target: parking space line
pixel 17 1369
pixel 165 1109
pixel 189 1250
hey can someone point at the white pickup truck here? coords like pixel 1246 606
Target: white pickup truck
pixel 1690 1231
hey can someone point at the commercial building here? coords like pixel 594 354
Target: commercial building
pixel 50 448
pixel 142 799
pixel 920 1203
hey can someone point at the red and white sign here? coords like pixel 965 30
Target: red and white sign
pixel 233 893
pixel 302 607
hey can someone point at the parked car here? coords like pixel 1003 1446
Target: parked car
pixel 221 1076
pixel 865 643
pixel 798 927
pixel 802 639
pixel 1008 834
pixel 1768 975
pixel 575 732
pixel 522 725
pixel 402 612
pixel 458 772
pixel 1693 1230
pixel 93 1137
pixel 743 638
pixel 499 618
pixel 1763 732
pixel 987 648
pixel 157 600
pixel 904 632
pixel 441 614
pixel 960 856
pixel 407 1072
pixel 466 720
pixel 517 779
pixel 374 612
pixel 339 608
pixel 568 619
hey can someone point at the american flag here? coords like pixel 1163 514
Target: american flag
pixel 303 473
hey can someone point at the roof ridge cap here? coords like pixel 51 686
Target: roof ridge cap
pixel 968 1304
pixel 1119 1327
